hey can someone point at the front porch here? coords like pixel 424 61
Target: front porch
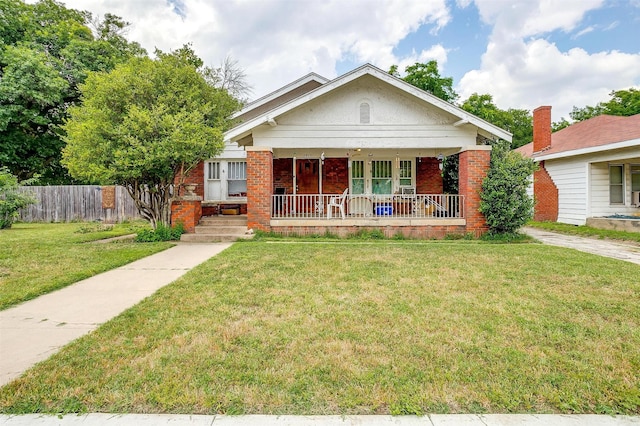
pixel 319 193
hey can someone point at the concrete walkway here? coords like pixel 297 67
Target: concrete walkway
pixel 262 420
pixel 629 252
pixel 34 330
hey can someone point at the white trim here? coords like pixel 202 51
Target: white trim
pixel 590 150
pixel 285 89
pixel 245 128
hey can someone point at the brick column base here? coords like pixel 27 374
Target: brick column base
pixel 188 211
pixel 259 188
pixel 474 166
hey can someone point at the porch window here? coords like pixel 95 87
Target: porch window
pixel 381 176
pixel 357 177
pixel 237 179
pixel 616 184
pixel 213 171
pixel 406 173
pixel 635 177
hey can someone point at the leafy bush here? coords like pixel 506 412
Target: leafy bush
pixel 504 200
pixel 161 233
pixel 11 200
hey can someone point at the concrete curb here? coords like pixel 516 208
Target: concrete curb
pixel 99 419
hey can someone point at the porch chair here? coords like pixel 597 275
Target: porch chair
pixel 337 201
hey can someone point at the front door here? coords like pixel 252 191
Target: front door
pixel 307 179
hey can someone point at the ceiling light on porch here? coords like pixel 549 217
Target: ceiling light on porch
pixel 440 158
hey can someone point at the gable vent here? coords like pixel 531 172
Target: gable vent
pixel 365 113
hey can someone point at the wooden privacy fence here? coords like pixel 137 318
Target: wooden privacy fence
pixel 66 203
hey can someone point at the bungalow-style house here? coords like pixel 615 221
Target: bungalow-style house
pixel 587 170
pixel 362 151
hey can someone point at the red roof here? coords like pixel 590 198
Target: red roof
pixel 594 132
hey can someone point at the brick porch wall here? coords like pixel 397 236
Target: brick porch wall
pixel 428 176
pixel 283 174
pixel 546 196
pixel 259 189
pixel 188 212
pixel 335 175
pixel 474 166
pixel 195 176
pixel 413 232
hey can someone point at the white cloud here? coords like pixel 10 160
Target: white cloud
pixel 279 41
pixel 523 70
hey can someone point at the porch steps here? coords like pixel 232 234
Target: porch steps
pixel 214 229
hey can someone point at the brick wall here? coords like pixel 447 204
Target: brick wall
pixel 259 189
pixel 541 128
pixel 474 166
pixel 335 175
pixel 187 212
pixel 283 174
pixel 195 176
pixel 413 232
pixel 428 176
pixel 546 195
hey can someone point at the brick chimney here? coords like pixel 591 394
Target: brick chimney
pixel 541 128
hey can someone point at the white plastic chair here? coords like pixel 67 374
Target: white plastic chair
pixel 337 201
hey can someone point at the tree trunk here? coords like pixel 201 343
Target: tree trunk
pixel 153 202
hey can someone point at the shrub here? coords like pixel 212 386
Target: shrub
pixel 161 233
pixel 11 200
pixel 504 200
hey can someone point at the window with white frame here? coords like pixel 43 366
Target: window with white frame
pixel 237 179
pixel 406 173
pixel 357 177
pixel 635 177
pixel 382 177
pixel 616 184
pixel 213 170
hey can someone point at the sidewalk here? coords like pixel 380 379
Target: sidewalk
pixel 34 330
pixel 628 252
pixel 263 420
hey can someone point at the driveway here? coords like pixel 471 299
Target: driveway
pixel 627 251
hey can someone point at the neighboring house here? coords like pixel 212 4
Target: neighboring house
pixel 362 151
pixel 589 169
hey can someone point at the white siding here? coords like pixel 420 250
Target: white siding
pixel 570 176
pixel 583 184
pixel 397 120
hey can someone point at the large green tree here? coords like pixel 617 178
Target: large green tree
pixel 622 103
pixel 46 51
pixel 144 123
pixel 518 122
pixel 426 76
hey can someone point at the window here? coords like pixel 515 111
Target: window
pixel 405 173
pixel 365 113
pixel 237 179
pixel 213 171
pixel 357 177
pixel 616 184
pixel 381 176
pixel 635 177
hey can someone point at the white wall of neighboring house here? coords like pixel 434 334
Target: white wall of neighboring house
pixel 570 177
pixel 583 184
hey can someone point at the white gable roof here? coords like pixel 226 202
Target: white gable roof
pixel 281 91
pixel 464 117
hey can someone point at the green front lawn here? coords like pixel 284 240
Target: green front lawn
pixel 356 327
pixel 38 258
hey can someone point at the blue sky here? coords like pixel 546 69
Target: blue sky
pixel 525 53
